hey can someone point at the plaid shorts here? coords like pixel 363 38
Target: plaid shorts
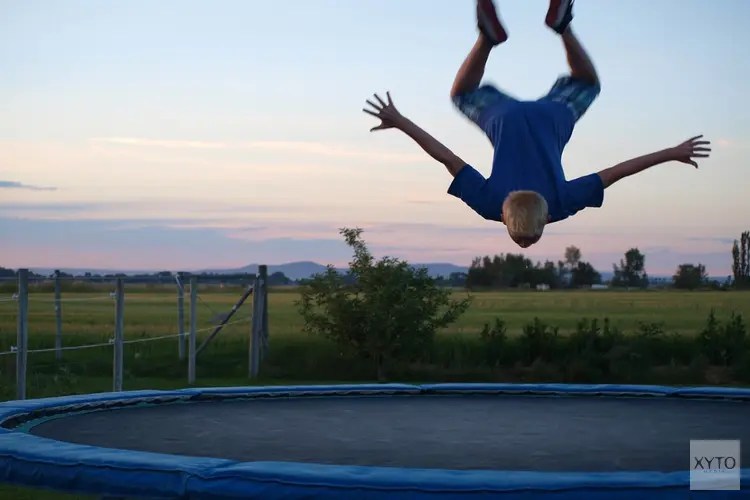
pixel 577 95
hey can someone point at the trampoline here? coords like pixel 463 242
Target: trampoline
pixel 446 441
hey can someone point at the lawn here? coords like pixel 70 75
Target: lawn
pixel 89 318
pixel 155 314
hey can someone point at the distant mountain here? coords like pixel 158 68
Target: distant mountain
pixel 300 270
pixel 292 270
pixel 305 269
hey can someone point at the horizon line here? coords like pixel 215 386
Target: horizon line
pixel 660 274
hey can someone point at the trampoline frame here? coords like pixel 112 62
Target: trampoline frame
pixel 28 460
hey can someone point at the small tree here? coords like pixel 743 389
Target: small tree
pixel 741 261
pixel 584 274
pixel 632 270
pixel 690 276
pixel 385 311
pixel 572 256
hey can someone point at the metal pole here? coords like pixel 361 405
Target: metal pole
pixel 226 319
pixel 22 340
pixel 193 328
pixel 180 316
pixel 259 331
pixel 58 318
pixel 263 271
pixel 253 328
pixel 255 339
pixel 119 326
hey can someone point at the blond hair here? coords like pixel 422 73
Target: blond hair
pixel 525 213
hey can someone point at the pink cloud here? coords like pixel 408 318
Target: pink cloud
pixel 304 147
pixel 177 144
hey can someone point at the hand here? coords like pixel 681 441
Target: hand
pixel 690 149
pixel 387 113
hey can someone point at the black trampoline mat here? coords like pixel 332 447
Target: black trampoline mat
pixel 463 432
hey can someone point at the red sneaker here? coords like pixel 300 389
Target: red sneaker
pixel 559 15
pixel 489 23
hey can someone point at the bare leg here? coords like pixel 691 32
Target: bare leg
pixel 471 72
pixel 491 33
pixel 581 67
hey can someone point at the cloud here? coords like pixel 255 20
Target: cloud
pixel 423 202
pixel 175 144
pixel 713 239
pixel 20 185
pixel 181 243
pixel 398 227
pixel 206 211
pixel 113 245
pixel 50 207
pixel 304 147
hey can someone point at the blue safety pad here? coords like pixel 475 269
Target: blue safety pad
pixel 28 460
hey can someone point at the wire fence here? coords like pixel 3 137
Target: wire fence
pixel 186 337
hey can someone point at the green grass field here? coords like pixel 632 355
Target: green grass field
pixel 155 314
pixel 89 318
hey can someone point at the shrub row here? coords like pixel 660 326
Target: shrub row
pixel 596 352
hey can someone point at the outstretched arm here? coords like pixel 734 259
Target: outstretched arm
pixel 432 146
pixel 684 153
pixel 391 118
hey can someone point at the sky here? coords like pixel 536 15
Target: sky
pixel 187 134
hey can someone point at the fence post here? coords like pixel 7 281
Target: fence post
pixel 180 316
pixel 253 328
pixel 260 330
pixel 22 340
pixel 58 318
pixel 263 272
pixel 119 326
pixel 193 328
pixel 256 331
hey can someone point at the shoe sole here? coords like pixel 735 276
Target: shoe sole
pixel 487 17
pixel 556 12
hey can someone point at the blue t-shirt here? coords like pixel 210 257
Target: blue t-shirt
pixel 529 138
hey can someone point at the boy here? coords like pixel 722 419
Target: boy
pixel 527 187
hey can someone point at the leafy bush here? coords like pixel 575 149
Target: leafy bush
pixel 386 311
pixel 497 349
pixel 724 344
pixel 538 341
